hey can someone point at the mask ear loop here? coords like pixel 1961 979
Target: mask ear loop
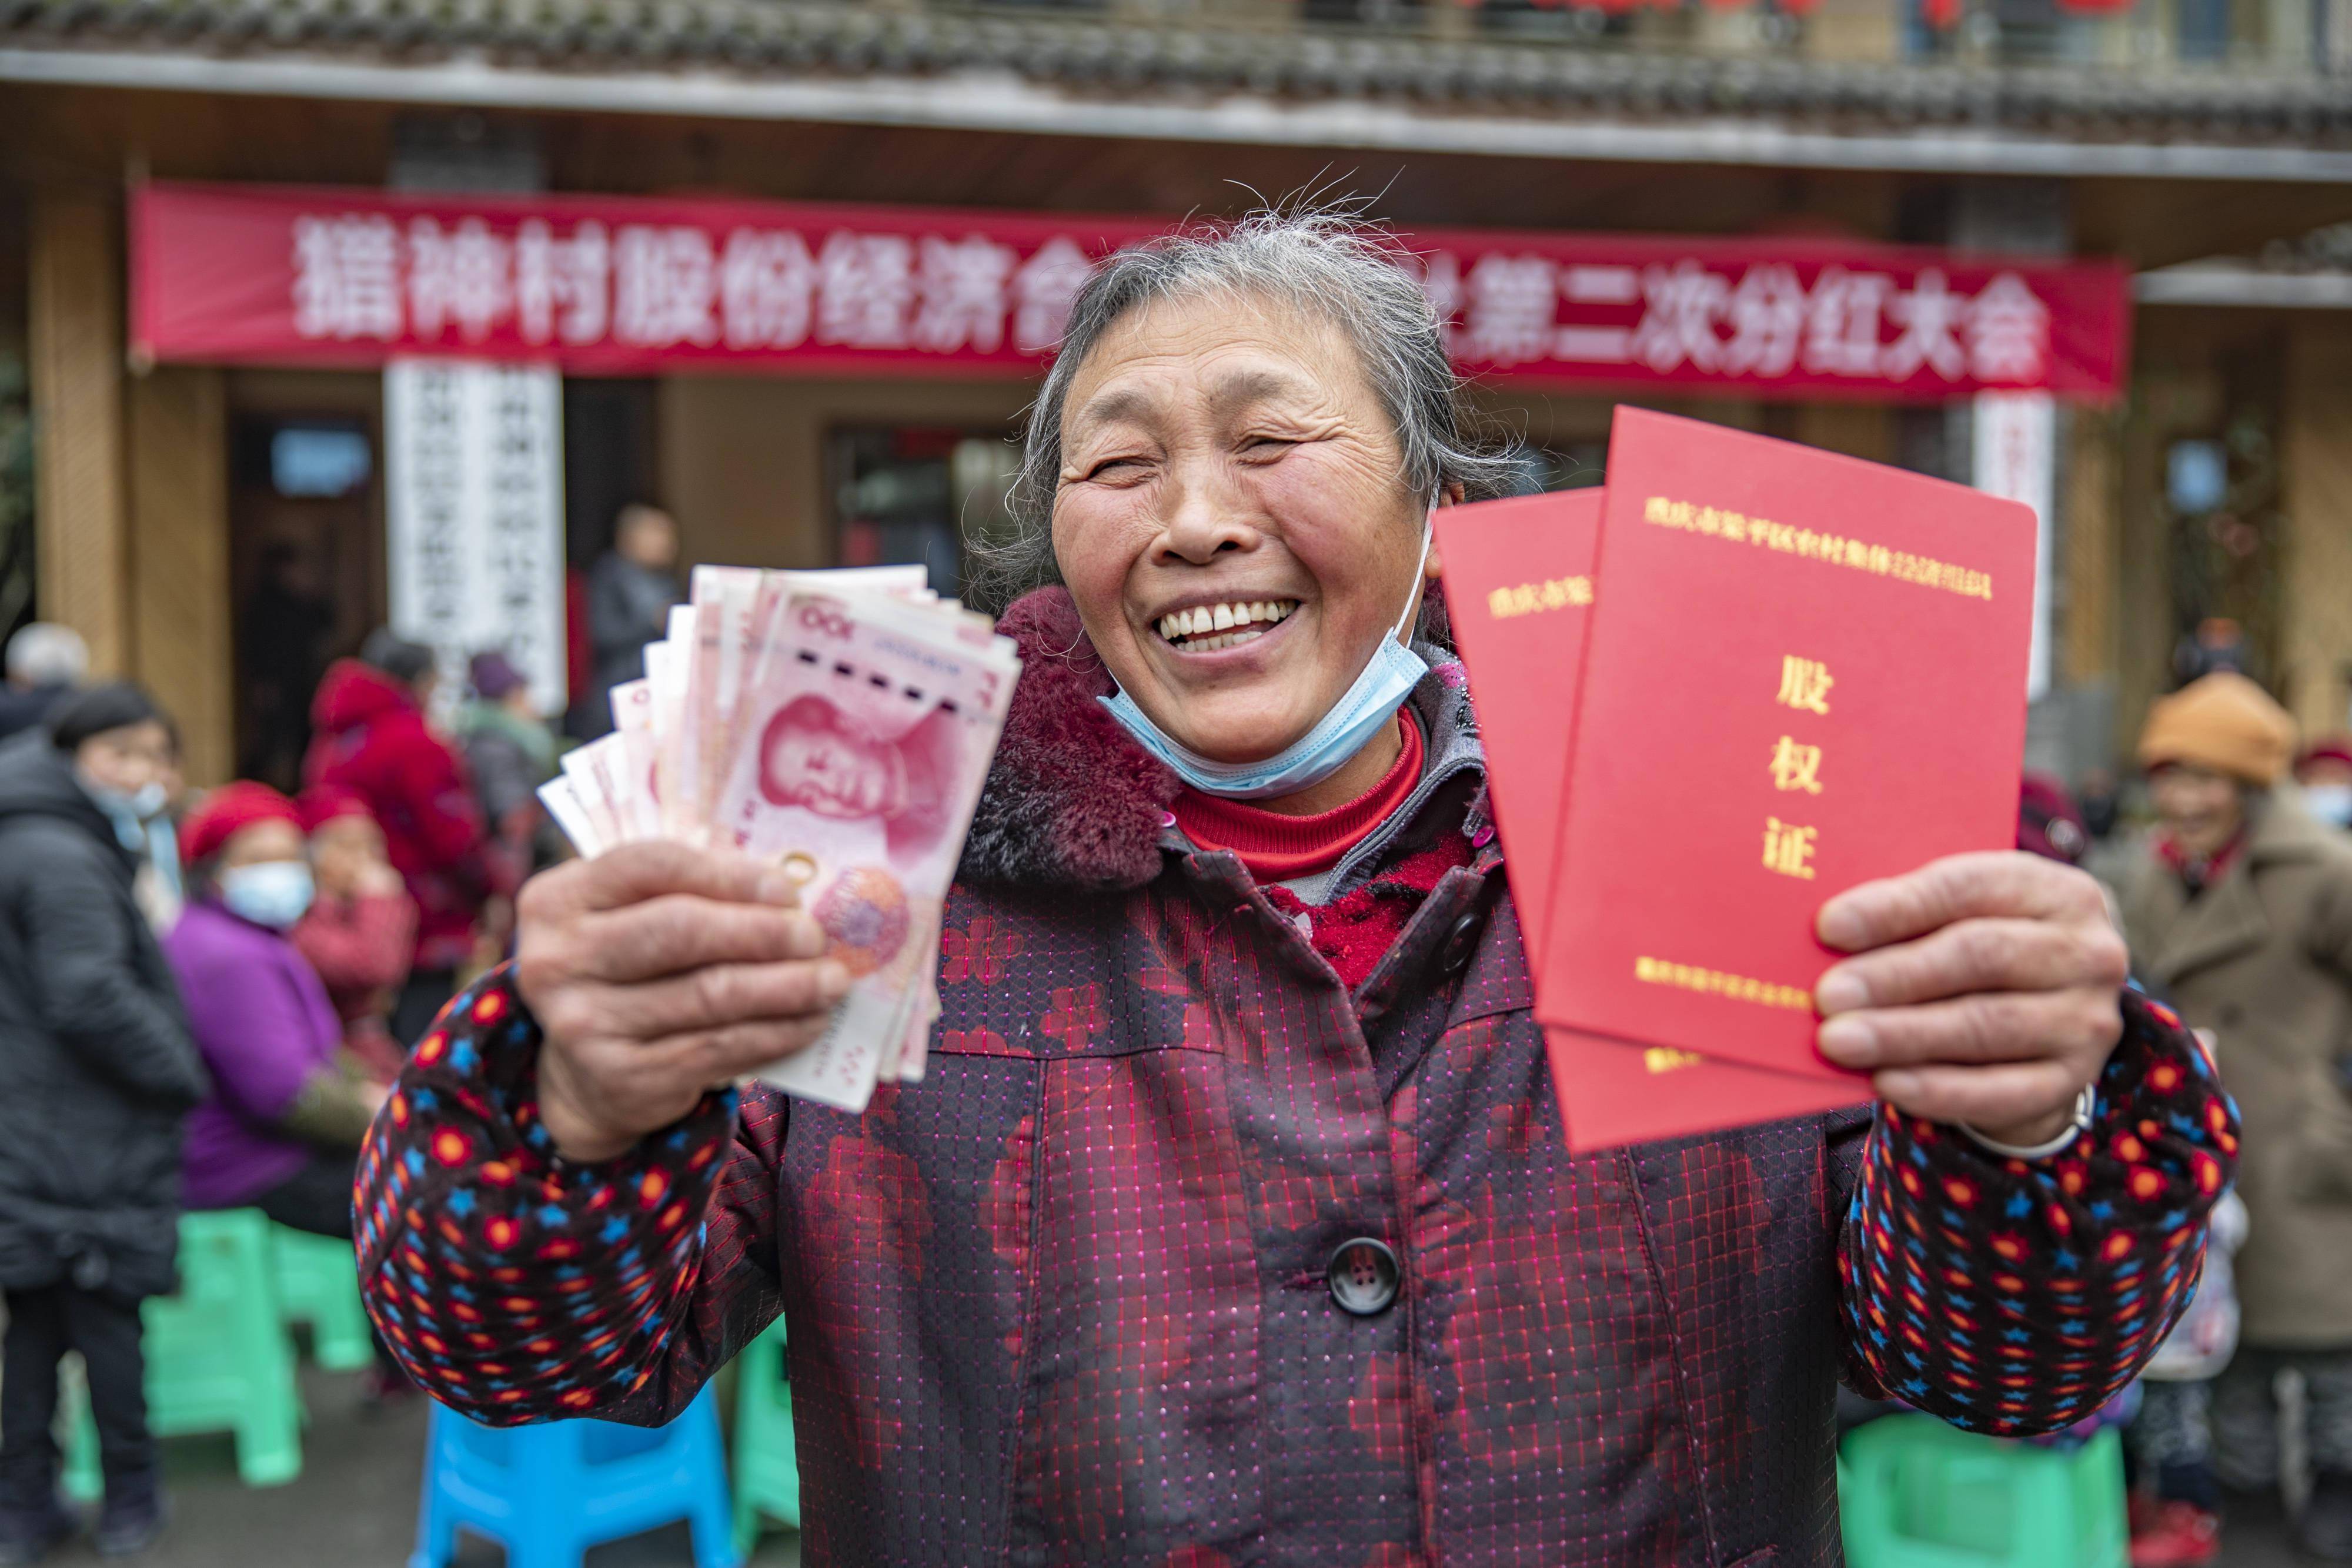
pixel 1413 589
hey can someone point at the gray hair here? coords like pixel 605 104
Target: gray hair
pixel 1328 262
pixel 43 654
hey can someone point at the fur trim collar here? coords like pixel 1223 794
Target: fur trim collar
pixel 1071 800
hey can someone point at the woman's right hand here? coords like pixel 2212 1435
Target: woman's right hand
pixel 657 973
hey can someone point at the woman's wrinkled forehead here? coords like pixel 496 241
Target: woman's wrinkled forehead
pixel 1218 351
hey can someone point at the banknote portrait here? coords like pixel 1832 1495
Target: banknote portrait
pixel 822 758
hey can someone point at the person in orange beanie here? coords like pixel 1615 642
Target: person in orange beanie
pixel 2241 916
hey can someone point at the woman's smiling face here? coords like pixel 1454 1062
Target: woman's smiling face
pixel 1232 518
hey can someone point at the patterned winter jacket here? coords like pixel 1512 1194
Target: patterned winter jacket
pixel 1097 1290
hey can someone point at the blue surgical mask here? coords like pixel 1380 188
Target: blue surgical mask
pixel 163 855
pixel 2331 803
pixel 128 812
pixel 1380 689
pixel 275 893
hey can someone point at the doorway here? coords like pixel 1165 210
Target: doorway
pixel 306 558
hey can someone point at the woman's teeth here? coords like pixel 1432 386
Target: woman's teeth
pixel 1214 626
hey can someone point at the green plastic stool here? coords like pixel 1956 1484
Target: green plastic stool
pixel 767 1471
pixel 1916 1493
pixel 79 1437
pixel 318 1285
pixel 218 1356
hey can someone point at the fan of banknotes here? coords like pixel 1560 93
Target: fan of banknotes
pixel 839 724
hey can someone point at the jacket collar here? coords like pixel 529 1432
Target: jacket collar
pixel 36 779
pixel 2219 923
pixel 2283 830
pixel 2227 918
pixel 1072 801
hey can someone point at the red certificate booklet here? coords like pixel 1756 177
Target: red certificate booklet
pixel 1518 588
pixel 1802 671
pixel 1518 577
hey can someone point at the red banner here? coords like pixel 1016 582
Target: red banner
pixel 615 286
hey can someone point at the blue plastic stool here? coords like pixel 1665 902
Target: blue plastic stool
pixel 1915 1493
pixel 549 1493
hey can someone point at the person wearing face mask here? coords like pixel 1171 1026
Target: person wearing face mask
pixel 2324 773
pixel 1234 1220
pixel 2241 913
pixel 282 1130
pixel 97 1074
pixel 286 1114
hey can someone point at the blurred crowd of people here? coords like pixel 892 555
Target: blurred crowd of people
pixel 204 997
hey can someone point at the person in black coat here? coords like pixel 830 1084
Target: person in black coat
pixel 630 592
pixel 97 1070
pixel 45 662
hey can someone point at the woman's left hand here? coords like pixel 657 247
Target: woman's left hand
pixel 1983 989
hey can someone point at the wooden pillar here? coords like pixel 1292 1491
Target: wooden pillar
pixel 81 536
pixel 2088 652
pixel 1852 30
pixel 180 560
pixel 2315 474
pixel 2144 555
pixel 1864 429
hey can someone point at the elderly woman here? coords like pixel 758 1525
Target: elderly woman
pixel 1234 1222
pixel 2241 909
pixel 285 1116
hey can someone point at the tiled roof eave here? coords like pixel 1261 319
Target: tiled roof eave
pixel 770 40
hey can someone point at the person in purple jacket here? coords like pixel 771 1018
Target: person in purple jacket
pixel 282 1125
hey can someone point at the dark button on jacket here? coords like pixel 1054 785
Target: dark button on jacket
pixel 1362 1277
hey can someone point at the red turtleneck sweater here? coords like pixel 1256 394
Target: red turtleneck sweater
pixel 1274 847
pixel 2197 875
pixel 1355 929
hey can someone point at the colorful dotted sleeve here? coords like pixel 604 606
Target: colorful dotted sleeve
pixel 2016 1297
pixel 2005 1296
pixel 514 1285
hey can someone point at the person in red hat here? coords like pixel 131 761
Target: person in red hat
pixel 2325 772
pixel 280 1127
pixel 361 929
